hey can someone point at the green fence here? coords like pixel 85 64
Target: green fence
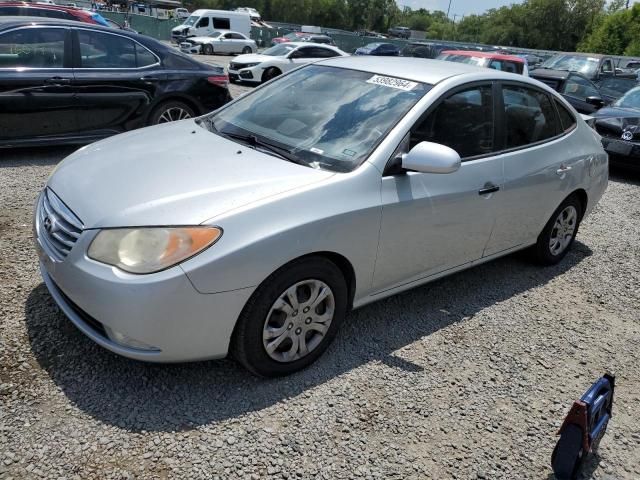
pixel 153 27
pixel 161 29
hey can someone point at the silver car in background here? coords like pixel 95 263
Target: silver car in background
pixel 221 41
pixel 253 230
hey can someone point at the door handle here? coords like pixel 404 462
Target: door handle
pixel 488 188
pixel 563 169
pixel 57 81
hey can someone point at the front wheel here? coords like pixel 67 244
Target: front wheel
pixel 291 318
pixel 207 49
pixel 270 73
pixel 559 233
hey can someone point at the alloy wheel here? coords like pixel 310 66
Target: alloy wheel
pixel 298 321
pixel 173 114
pixel 563 230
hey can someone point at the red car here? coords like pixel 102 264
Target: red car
pixel 504 63
pixel 289 37
pixel 19 9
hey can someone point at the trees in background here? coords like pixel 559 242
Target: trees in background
pixel 589 25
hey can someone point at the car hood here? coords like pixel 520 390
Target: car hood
pixel 615 121
pixel 201 39
pixel 173 174
pixel 254 58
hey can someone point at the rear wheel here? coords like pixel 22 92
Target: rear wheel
pixel 270 73
pixel 291 318
pixel 559 233
pixel 247 50
pixel 207 49
pixel 170 111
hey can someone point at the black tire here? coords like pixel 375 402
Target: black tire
pixel 247 341
pixel 568 455
pixel 207 49
pixel 170 109
pixel 270 73
pixel 542 251
pixel 247 50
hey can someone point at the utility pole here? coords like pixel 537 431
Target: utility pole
pixel 449 8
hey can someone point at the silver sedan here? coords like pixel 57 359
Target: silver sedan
pixel 254 230
pixel 222 41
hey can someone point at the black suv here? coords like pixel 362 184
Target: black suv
pixel 400 32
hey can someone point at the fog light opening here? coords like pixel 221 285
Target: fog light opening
pixel 126 341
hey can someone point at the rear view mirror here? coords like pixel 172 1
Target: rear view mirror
pixel 428 157
pixel 595 101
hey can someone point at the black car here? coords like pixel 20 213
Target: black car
pixel 619 126
pixel 400 32
pixel 379 49
pixel 427 49
pixel 69 82
pixel 585 96
pixel 593 66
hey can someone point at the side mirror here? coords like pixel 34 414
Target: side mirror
pixel 428 157
pixel 595 101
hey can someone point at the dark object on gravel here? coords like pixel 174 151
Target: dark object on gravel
pixel 583 428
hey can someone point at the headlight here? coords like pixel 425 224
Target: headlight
pixel 149 250
pixel 249 65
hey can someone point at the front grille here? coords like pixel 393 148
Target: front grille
pixel 58 226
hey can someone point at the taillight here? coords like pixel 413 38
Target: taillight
pixel 219 80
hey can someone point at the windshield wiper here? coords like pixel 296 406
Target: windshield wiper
pixel 255 141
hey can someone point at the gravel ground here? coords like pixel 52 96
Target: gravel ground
pixel 469 377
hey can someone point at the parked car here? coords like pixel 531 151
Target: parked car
pixel 619 126
pixel 220 42
pixel 202 23
pixel 51 11
pixel 274 61
pixel 400 32
pixel 422 49
pixel 181 13
pixel 504 63
pixel 585 96
pixel 592 66
pixel 303 37
pixel 255 229
pixel 628 65
pixel 379 49
pixel 114 82
pixel 253 13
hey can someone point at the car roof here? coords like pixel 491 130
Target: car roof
pixel 310 44
pixel 44 6
pixel 478 54
pixel 414 69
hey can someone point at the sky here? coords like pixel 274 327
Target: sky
pixel 458 7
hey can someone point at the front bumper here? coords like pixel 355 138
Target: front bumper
pixel 187 47
pixel 622 152
pixel 253 74
pixel 162 310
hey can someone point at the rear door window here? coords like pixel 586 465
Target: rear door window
pixel 33 48
pixel 104 50
pixel 529 116
pixel 567 120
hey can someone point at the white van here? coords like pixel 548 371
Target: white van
pixel 202 23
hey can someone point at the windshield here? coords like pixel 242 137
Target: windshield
pixel 191 21
pixel 631 99
pixel 573 63
pixel 279 50
pixel 215 34
pixel 315 123
pixel 292 36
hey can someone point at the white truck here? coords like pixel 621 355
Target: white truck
pixel 202 23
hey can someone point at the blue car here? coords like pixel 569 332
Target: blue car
pixel 380 49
